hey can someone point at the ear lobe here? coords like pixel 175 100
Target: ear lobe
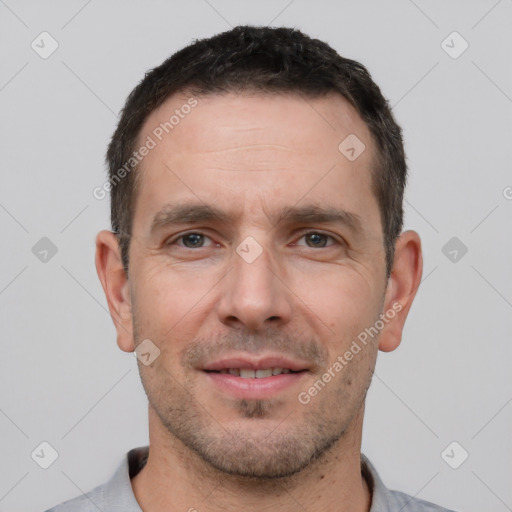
pixel 116 287
pixel 402 286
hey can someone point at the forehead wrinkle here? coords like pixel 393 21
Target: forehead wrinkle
pixel 257 147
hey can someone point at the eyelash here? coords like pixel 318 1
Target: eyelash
pixel 181 237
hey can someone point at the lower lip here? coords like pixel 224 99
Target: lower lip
pixel 254 388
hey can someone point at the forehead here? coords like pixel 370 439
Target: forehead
pixel 239 146
pixel 257 117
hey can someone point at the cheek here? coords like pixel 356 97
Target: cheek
pixel 172 290
pixel 172 302
pixel 342 299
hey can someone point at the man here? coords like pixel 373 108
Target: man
pixel 256 266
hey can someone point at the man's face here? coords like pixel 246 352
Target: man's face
pixel 257 289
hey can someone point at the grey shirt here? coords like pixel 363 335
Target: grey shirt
pixel 116 495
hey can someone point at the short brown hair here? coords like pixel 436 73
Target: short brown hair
pixel 273 60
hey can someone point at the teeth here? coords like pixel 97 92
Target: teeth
pixel 263 373
pixel 246 373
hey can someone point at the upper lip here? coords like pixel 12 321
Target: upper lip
pixel 252 363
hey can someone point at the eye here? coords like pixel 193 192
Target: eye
pixel 196 240
pixel 192 240
pixel 317 239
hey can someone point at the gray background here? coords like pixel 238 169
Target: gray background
pixel 64 381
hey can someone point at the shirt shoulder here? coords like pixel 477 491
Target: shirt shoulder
pixel 388 500
pixel 116 495
pixel 89 502
pixel 406 503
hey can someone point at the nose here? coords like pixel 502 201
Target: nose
pixel 254 293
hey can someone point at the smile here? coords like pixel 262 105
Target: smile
pixel 247 373
pixel 259 384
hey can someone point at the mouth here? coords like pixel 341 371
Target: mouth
pixel 248 378
pixel 248 373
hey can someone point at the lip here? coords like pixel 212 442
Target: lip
pixel 262 363
pixel 255 388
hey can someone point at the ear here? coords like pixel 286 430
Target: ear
pixel 401 289
pixel 116 287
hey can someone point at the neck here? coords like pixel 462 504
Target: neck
pixel 175 478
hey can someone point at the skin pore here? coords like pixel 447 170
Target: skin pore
pixel 317 283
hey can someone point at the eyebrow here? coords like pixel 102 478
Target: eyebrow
pixel 192 213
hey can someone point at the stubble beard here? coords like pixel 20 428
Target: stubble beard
pixel 261 453
pixel 277 450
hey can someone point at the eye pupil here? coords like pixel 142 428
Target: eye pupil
pixel 193 237
pixel 315 238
